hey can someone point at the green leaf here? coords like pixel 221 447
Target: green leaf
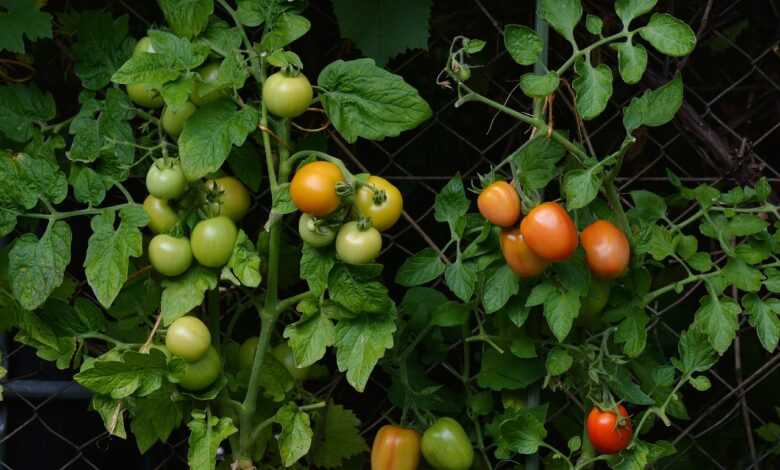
pixel 88 186
pixel 21 107
pixel 743 225
pixel 360 343
pixel 206 434
pixel 103 46
pixel 210 134
pixel 753 251
pixel 287 28
pixel 338 438
pixel 316 265
pixel 669 35
pixel 109 251
pixel 594 24
pixel 473 46
pixel 172 56
pixel 696 354
pixel 523 434
pixel 537 161
pixel 135 374
pixel 499 287
pixel 772 282
pixel 243 268
pixel 558 361
pixel 275 380
pixel 187 18
pixel 363 100
pixel 309 338
pixel 508 372
pixel 221 37
pixel 763 317
pixel 686 245
pixel 112 413
pixel 523 44
pixel 451 202
pixel 593 87
pixel 22 18
pixel 540 294
pixel 581 186
pixel 296 436
pixel 522 345
pixel 563 15
pixel 450 314
pixel 245 164
pixel 622 384
pixel 632 332
pixel 382 30
pixel 700 383
pixel 357 294
pixel 37 266
pixel 154 418
pixel 420 268
pixel 660 243
pixel 26 179
pixel 627 10
pixel 719 319
pixel 655 107
pixel 461 278
pixel 701 262
pixel 419 303
pixel 743 276
pixel 186 292
pixel 632 61
pixel 648 206
pixel 560 310
pixel 539 86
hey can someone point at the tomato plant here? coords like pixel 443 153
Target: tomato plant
pixel 606 249
pixel 207 87
pixel 499 203
pixel 165 180
pixel 287 95
pixel 315 234
pixel 213 240
pixel 607 433
pixel 173 119
pixel 188 338
pixel 549 231
pixel 230 198
pixel 169 255
pixel 358 245
pixel 380 201
pixel 519 257
pixel 313 188
pixel 202 372
pixel 446 446
pixel 162 217
pixel 395 448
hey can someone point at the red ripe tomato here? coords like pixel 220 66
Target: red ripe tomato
pixel 395 448
pixel 499 204
pixel 549 231
pixel 607 435
pixel 519 257
pixel 606 249
pixel 313 188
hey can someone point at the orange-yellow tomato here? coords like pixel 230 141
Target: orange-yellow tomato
pixel 523 261
pixel 606 249
pixel 395 448
pixel 499 204
pixel 313 188
pixel 549 231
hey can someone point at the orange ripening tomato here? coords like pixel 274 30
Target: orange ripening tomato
pixel 395 448
pixel 499 204
pixel 313 188
pixel 606 249
pixel 604 432
pixel 549 231
pixel 519 257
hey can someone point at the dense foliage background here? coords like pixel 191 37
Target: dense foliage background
pixel 727 133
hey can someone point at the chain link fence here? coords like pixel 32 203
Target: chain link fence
pixel 727 133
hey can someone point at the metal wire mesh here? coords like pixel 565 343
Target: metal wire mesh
pixel 727 134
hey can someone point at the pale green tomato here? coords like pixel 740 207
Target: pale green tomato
pixel 173 121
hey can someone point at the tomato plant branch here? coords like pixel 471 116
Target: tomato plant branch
pixel 289 302
pixel 65 215
pixel 587 50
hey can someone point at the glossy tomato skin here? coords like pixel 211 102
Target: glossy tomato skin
pixel 355 246
pixel 212 241
pixel 550 232
pixel 188 338
pixel 173 120
pixel 169 255
pixel 385 214
pixel 165 180
pixel 162 217
pixel 313 188
pixel 499 203
pixel 523 261
pixel 209 73
pixel 200 374
pixel 605 434
pixel 287 96
pixel 234 200
pixel 316 236
pixel 395 448
pixel 607 250
pixel 145 95
pixel 446 446
pixel 284 354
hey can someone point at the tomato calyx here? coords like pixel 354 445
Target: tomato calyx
pixel 364 223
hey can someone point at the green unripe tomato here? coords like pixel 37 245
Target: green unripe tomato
pixel 287 96
pixel 162 217
pixel 145 95
pixel 233 201
pixel 246 355
pixel 212 241
pixel 144 45
pixel 200 374
pixel 314 235
pixel 188 338
pixel 173 121
pixel 446 446
pixel 169 255
pixel 285 355
pixel 209 74
pixel 355 246
pixel 462 71
pixel 165 179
